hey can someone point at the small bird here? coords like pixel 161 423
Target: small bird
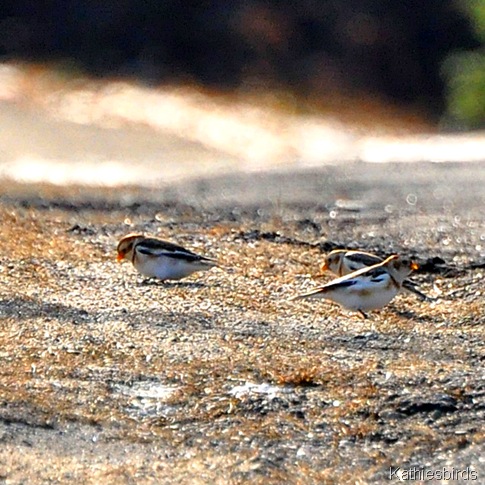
pixel 155 258
pixel 369 288
pixel 343 261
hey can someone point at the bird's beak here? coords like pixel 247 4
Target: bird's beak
pixel 414 266
pixel 324 267
pixel 120 257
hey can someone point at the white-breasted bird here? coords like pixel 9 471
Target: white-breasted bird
pixel 344 261
pixel 155 258
pixel 369 288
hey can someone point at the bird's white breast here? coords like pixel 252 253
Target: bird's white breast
pixel 365 295
pixel 163 267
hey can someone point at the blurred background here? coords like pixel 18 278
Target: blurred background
pixel 198 86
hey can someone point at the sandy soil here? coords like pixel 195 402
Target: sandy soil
pixel 218 378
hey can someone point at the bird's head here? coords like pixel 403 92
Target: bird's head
pixel 400 267
pixel 127 244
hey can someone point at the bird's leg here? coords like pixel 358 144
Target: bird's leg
pixel 363 314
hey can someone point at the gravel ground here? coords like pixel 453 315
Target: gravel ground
pixel 219 378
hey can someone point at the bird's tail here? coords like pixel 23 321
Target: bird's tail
pixel 315 293
pixel 411 286
pixel 207 263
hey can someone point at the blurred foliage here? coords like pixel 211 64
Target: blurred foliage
pixel 465 73
pixel 313 48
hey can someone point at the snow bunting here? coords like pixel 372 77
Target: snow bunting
pixel 156 258
pixel 342 262
pixel 367 289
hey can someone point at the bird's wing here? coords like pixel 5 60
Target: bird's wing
pixel 359 280
pixel 157 247
pixel 362 259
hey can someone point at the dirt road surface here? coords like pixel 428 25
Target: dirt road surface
pixel 219 378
